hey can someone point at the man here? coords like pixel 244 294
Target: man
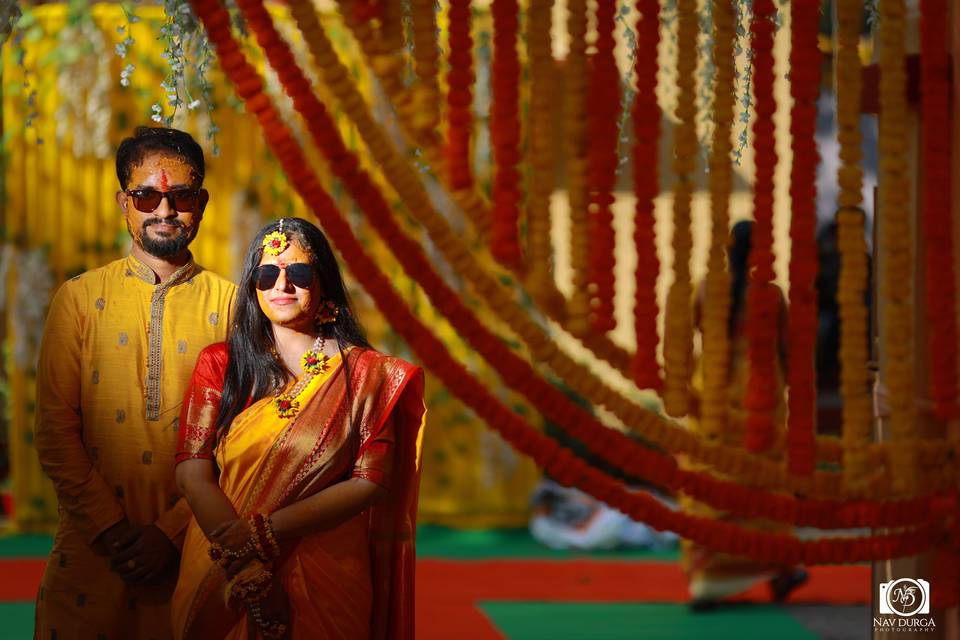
pixel 118 349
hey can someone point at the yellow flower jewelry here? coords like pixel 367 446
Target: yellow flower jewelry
pixel 313 362
pixel 276 242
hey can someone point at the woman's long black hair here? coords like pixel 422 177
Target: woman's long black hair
pixel 738 256
pixel 253 372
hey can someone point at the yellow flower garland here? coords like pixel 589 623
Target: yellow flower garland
pixel 539 278
pixel 728 460
pixel 575 128
pixel 426 94
pixel 678 335
pixel 857 411
pixel 716 306
pixel 895 239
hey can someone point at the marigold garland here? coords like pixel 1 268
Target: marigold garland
pixel 732 461
pixel 895 242
pixel 559 462
pixel 391 24
pixel 678 332
pixel 802 332
pixel 426 93
pixel 763 297
pixel 716 300
pixel 305 180
pixel 851 294
pixel 505 134
pixel 386 68
pixel 602 114
pixel 936 208
pixel 460 78
pixel 576 134
pixel 387 59
pixel 540 282
pixel 644 367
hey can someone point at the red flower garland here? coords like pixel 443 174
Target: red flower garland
pixel 603 113
pixel 460 80
pixel 517 373
pixel 547 453
pixel 763 298
pixel 802 333
pixel 505 135
pixel 646 186
pixel 936 208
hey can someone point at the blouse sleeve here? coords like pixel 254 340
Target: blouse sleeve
pixel 375 459
pixel 201 405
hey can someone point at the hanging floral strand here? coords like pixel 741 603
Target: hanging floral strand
pixel 716 298
pixel 802 327
pixel 577 142
pixel 895 239
pixel 426 92
pixel 505 134
pixel 851 294
pixel 646 185
pixel 603 112
pixel 763 297
pixel 936 206
pixel 777 548
pixel 460 78
pixel 678 338
pixel 541 158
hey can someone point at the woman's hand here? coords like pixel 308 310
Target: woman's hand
pixel 234 536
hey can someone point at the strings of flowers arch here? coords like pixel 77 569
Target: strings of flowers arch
pixel 920 514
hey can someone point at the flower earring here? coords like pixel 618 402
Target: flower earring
pixel 327 312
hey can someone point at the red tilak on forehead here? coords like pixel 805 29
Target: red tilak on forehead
pixel 282 264
pixel 164 183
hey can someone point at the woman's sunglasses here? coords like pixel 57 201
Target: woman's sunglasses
pixel 299 274
pixel 147 200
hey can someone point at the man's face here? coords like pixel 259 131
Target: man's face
pixel 163 232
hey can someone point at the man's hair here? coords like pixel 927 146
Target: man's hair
pixel 149 140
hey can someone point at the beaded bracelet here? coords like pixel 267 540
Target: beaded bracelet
pixel 250 585
pixel 269 628
pixel 263 538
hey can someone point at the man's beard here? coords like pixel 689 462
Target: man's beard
pixel 165 247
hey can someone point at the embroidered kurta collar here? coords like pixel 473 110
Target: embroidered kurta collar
pixel 146 274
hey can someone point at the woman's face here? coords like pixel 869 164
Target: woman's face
pixel 286 304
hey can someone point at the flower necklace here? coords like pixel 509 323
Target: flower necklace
pixel 313 362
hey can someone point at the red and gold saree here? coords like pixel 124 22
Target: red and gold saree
pixel 362 418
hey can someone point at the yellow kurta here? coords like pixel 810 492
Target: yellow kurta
pixel 116 357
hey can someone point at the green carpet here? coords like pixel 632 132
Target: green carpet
pixel 432 542
pixel 17 620
pixel 574 621
pixel 25 545
pixel 456 544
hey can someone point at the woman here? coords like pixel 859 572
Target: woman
pixel 715 576
pixel 299 456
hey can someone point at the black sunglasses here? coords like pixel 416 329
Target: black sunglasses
pixel 147 200
pixel 299 274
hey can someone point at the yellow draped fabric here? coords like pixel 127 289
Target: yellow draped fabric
pixel 60 205
pixel 370 427
pixel 114 363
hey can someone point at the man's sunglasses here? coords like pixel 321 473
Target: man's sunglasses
pixel 299 274
pixel 147 200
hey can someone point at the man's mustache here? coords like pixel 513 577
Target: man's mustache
pixel 173 222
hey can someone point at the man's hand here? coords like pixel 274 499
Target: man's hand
pixel 144 556
pixel 109 541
